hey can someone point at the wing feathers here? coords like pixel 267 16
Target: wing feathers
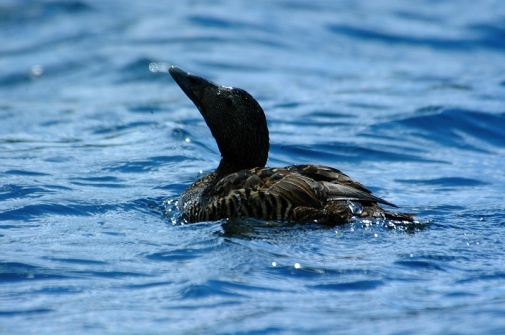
pixel 343 192
pixel 272 193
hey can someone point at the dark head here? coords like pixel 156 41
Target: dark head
pixel 234 117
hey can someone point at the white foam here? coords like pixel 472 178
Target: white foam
pixel 158 67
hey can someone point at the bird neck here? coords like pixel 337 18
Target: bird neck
pixel 247 160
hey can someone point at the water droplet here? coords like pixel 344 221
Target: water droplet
pixel 153 67
pixel 37 70
pixel 375 235
pixel 274 263
pixel 297 265
pixel 355 207
pixel 158 67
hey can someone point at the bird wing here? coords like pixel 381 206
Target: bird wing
pixel 326 173
pixel 299 185
pixel 295 188
pixel 337 185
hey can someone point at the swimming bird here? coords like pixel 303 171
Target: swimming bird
pixel 242 186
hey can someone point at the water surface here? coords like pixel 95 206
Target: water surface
pixel 95 149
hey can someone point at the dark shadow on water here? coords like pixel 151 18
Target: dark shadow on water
pixel 25 312
pixel 141 166
pixel 361 285
pixel 33 212
pixel 453 182
pixel 250 228
pixel 13 271
pixel 490 37
pixel 153 206
pixel 451 128
pixel 342 152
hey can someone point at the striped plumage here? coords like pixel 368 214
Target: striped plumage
pixel 242 187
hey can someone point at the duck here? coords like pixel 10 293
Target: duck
pixel 241 185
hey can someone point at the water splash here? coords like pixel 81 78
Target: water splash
pixel 355 207
pixel 171 211
pixel 158 67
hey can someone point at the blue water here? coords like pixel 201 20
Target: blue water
pixel 406 97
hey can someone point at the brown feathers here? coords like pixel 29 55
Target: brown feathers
pixel 302 193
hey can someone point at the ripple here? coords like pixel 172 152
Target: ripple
pixel 499 276
pixel 491 34
pixel 10 191
pixel 174 255
pixel 24 77
pixel 26 312
pixel 213 288
pixel 76 261
pixel 150 164
pixel 446 182
pixel 100 182
pixel 25 173
pixel 491 37
pixel 420 265
pixel 145 109
pixel 360 285
pixel 341 152
pixel 452 128
pixel 36 211
pixel 115 129
pixel 219 22
pixel 12 271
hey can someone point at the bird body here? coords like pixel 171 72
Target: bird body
pixel 242 186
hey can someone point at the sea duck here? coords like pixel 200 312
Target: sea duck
pixel 242 186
